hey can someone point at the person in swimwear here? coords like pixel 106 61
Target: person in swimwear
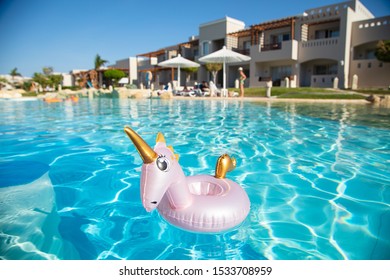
pixel 242 80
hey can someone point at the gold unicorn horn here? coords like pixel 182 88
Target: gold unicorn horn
pixel 224 164
pixel 145 151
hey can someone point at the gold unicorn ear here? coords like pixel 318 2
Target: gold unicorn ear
pixel 160 138
pixel 225 163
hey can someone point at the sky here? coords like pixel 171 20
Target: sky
pixel 68 34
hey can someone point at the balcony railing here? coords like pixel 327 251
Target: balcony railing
pixel 277 51
pixel 271 47
pixel 243 51
pixel 326 48
pixel 320 43
pixel 322 81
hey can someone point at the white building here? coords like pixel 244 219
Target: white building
pixel 368 70
pixel 129 66
pixel 316 48
pixel 324 47
pixel 67 79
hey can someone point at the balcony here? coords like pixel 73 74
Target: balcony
pixel 271 47
pixel 146 63
pixel 328 48
pixel 286 50
pixel 242 51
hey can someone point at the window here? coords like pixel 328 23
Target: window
pixel 333 69
pixel 327 33
pixel 320 34
pixel 325 69
pixel 205 46
pixel 370 54
pixel 369 65
pixel 320 70
pixel 275 39
pixel 247 45
pixel 334 33
pixel 280 72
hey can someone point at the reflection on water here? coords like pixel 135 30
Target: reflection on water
pixel 317 176
pixel 358 114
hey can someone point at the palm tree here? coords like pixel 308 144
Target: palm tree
pixel 14 72
pixel 99 62
pixel 47 70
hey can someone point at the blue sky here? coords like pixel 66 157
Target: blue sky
pixel 68 34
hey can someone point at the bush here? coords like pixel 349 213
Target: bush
pixel 114 74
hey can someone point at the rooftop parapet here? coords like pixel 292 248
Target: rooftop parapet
pixel 336 10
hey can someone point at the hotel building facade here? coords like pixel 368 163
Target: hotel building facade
pixel 330 46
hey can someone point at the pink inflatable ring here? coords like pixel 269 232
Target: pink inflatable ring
pixel 200 203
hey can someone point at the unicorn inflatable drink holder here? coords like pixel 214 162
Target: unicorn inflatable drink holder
pixel 200 203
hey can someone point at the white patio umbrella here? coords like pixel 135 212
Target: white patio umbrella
pixel 178 62
pixel 224 56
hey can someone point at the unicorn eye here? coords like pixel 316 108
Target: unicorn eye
pixel 162 163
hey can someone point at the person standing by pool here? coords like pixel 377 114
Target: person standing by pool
pixel 242 80
pixel 148 78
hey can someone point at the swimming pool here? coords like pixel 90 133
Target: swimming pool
pixel 318 177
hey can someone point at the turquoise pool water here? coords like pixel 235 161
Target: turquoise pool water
pixel 318 177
